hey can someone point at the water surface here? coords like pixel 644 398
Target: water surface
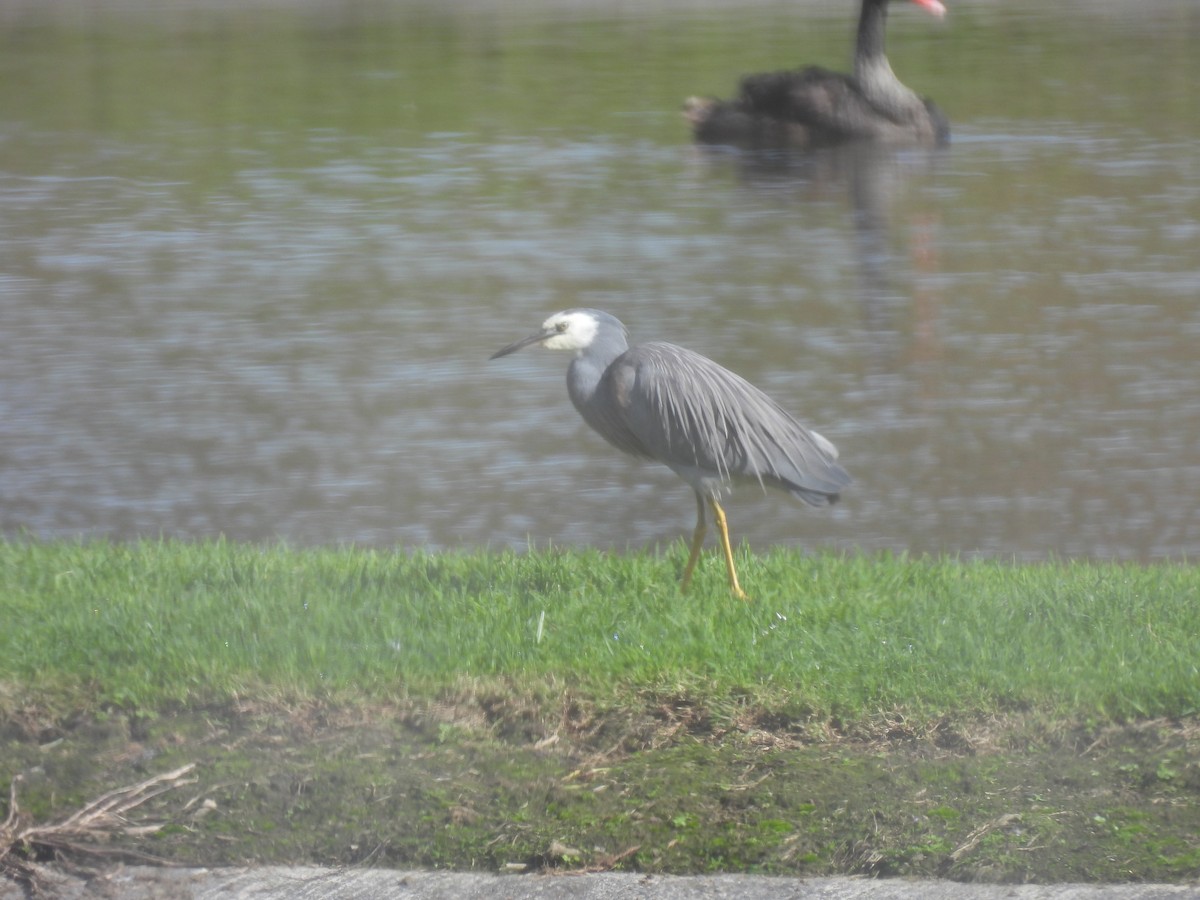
pixel 254 257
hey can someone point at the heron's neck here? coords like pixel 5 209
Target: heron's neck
pixel 588 367
pixel 872 70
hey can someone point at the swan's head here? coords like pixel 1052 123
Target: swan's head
pixel 571 329
pixel 933 7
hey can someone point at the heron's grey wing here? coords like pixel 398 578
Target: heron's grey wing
pixel 594 397
pixel 687 411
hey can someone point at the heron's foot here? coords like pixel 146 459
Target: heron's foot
pixel 722 526
pixel 685 581
pixel 735 586
pixel 697 543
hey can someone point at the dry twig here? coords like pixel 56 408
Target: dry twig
pixel 981 832
pixel 79 833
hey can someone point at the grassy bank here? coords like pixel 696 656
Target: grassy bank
pixel 149 624
pixel 863 714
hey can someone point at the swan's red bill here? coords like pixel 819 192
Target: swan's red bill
pixel 931 6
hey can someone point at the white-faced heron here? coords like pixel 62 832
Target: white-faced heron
pixel 708 425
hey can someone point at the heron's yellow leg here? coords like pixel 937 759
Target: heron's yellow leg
pixel 697 541
pixel 723 528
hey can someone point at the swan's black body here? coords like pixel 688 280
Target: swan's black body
pixel 814 107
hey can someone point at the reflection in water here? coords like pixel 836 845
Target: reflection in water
pixel 898 331
pixel 237 301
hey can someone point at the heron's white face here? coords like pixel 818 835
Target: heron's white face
pixel 569 331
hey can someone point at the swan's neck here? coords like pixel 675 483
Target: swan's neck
pixel 873 71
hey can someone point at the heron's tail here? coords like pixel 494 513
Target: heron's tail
pixel 815 498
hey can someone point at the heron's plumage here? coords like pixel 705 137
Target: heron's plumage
pixel 712 426
pixel 709 426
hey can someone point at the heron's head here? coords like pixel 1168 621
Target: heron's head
pixel 571 329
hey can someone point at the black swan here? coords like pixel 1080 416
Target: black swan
pixel 815 107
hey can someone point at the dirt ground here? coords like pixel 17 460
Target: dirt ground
pixel 496 790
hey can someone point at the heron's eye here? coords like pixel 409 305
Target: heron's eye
pixel 560 327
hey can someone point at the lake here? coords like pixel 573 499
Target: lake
pixel 254 257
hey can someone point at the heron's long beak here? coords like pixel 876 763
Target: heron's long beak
pixel 523 342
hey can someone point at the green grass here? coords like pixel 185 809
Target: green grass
pixel 153 624
pixel 864 714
